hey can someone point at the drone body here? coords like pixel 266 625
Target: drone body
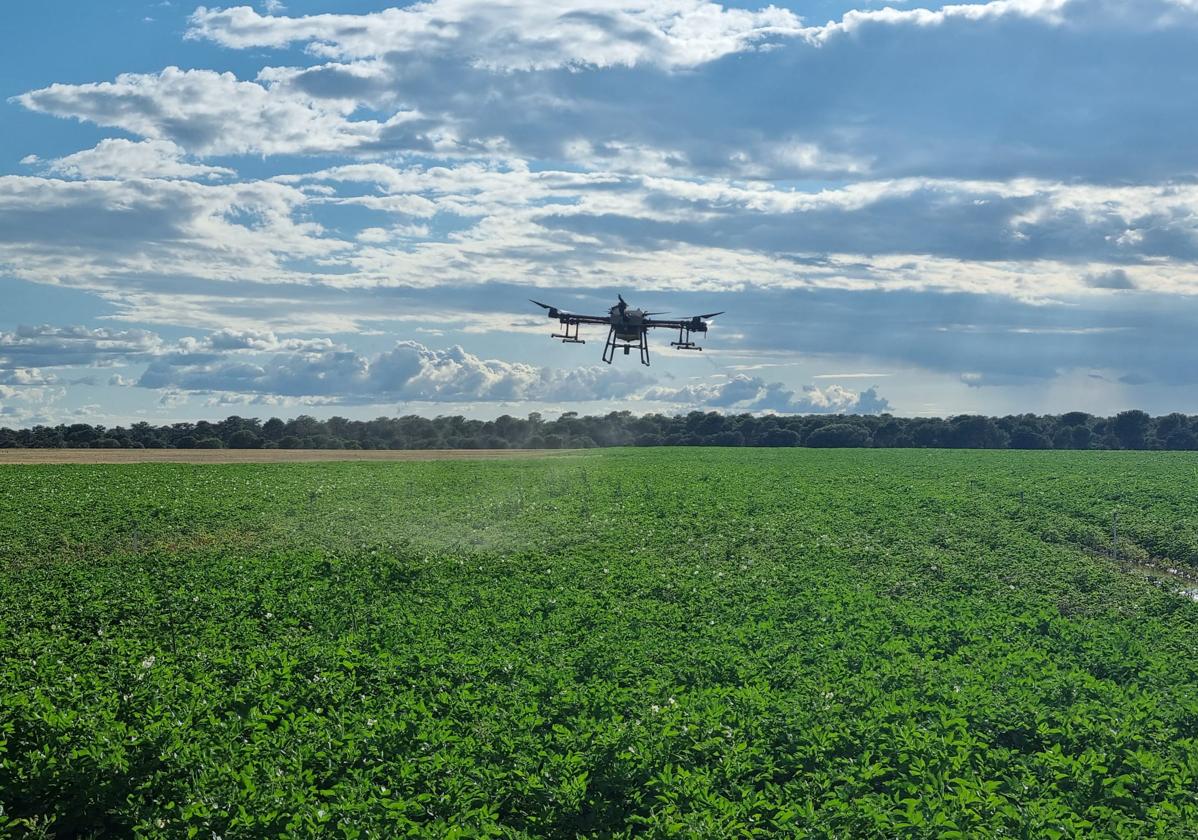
pixel 628 328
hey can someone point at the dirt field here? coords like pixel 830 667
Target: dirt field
pixel 258 456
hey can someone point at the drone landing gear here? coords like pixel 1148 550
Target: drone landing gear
pixel 642 344
pixel 566 336
pixel 684 340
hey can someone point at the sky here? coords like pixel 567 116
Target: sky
pixel 343 208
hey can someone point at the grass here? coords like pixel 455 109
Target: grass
pixel 681 642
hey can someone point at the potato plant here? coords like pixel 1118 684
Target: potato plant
pixel 625 643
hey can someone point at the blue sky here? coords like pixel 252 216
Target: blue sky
pixel 342 208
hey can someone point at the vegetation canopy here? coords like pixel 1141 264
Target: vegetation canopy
pixel 625 643
pixel 1073 430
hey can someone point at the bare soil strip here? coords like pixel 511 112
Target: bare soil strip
pixel 260 456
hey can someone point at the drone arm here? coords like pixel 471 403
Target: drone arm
pixel 685 327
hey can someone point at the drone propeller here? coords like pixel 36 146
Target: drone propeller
pixel 709 315
pixel 538 303
pixel 647 314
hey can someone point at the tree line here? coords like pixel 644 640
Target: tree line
pixel 1072 430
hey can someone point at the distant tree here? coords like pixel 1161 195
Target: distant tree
pixel 889 433
pixel 82 434
pixel 1184 439
pixel 1082 437
pixel 780 437
pixel 304 426
pixel 1131 429
pixel 728 438
pixel 838 435
pixel 971 431
pixel 1072 430
pixel 1028 437
pixel 928 432
pixel 274 429
pixel 1063 438
pixel 244 439
pixel 209 443
pixel 1175 431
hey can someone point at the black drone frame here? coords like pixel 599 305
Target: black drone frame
pixel 642 344
pixel 570 324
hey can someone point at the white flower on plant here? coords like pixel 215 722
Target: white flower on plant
pixel 149 661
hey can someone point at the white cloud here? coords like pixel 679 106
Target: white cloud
pixel 182 252
pixel 116 158
pixel 259 341
pixel 171 398
pixel 176 229
pixel 49 346
pixel 752 393
pixel 1050 11
pixel 209 113
pixel 511 35
pixel 23 376
pixel 409 372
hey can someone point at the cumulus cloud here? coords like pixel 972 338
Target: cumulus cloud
pixel 180 252
pixel 171 398
pixel 514 35
pixel 1115 278
pixel 122 229
pixel 25 376
pixel 117 158
pixel 210 113
pixel 50 346
pixel 260 341
pixel 409 372
pixel 592 79
pixel 752 393
pixel 934 155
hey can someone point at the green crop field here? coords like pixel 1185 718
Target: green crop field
pixel 649 643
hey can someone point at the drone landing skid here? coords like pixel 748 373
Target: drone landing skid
pixel 684 340
pixel 609 348
pixel 568 337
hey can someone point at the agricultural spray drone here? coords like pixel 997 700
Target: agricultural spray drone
pixel 628 328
